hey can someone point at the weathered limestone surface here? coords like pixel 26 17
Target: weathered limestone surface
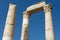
pixel 48 23
pixel 49 31
pixel 25 28
pixel 36 7
pixel 10 22
pixel 26 15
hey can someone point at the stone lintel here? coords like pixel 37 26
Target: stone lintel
pixel 36 7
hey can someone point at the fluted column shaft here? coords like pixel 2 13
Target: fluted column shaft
pixel 48 23
pixel 10 22
pixel 25 28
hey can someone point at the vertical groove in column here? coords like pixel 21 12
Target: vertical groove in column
pixel 10 22
pixel 25 28
pixel 49 31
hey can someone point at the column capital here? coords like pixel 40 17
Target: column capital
pixel 47 7
pixel 26 13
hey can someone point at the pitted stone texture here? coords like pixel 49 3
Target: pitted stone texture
pixel 25 28
pixel 10 22
pixel 35 6
pixel 7 38
pixel 47 8
pixel 48 23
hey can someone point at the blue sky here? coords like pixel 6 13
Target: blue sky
pixel 37 26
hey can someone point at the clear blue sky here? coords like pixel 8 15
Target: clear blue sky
pixel 36 27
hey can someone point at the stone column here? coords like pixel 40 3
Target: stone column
pixel 48 23
pixel 25 28
pixel 10 22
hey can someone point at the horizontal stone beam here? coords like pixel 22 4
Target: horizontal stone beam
pixel 36 7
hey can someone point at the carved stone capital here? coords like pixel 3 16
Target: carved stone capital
pixel 47 8
pixel 26 14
